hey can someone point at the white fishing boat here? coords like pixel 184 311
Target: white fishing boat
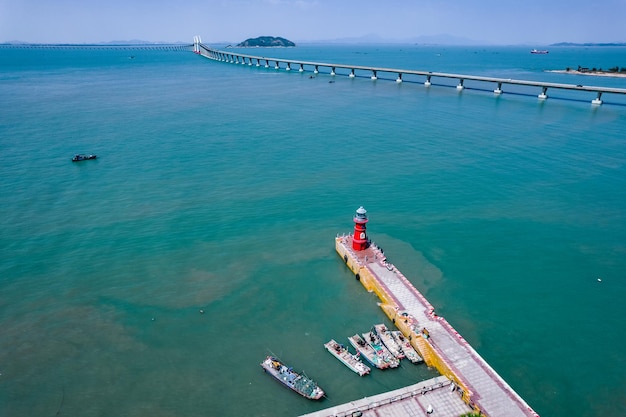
pixel 409 351
pixel 367 352
pixel 388 340
pixel 342 353
pixel 374 341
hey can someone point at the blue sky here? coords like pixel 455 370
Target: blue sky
pixel 536 22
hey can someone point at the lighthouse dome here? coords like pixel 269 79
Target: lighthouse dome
pixel 361 215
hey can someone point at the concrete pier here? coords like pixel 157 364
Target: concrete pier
pixel 437 394
pixel 373 72
pixel 441 346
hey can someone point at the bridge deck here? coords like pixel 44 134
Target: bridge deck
pixel 486 389
pixel 232 56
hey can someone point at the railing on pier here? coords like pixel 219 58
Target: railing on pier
pixel 287 64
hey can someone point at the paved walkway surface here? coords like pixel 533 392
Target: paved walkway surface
pixel 489 391
pixel 437 394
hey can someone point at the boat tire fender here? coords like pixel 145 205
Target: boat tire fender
pixel 358 277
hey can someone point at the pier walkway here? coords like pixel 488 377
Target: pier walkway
pixel 436 394
pixel 438 342
pixel 288 65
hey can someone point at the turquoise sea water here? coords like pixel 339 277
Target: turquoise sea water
pixel 221 188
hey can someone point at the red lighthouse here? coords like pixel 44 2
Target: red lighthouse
pixel 359 240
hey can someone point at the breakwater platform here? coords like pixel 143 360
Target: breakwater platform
pixel 436 397
pixel 442 347
pixel 427 77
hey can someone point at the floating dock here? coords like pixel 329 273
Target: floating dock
pixel 441 346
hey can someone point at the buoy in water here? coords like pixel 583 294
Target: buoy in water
pixel 599 279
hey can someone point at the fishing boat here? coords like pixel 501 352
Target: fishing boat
pixel 342 353
pixel 367 351
pixel 82 157
pixel 380 349
pixel 388 340
pixel 409 351
pixel 538 51
pixel 299 383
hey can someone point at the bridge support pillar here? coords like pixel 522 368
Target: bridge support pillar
pixel 427 82
pixel 332 71
pixel 267 63
pixel 374 77
pixel 258 62
pixel 301 68
pixel 352 73
pixel 543 95
pixel 498 89
pixel 316 70
pixel 598 100
pixel 399 79
pixel 288 67
pixel 277 66
pixel 460 86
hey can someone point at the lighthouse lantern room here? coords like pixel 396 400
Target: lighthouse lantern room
pixel 359 240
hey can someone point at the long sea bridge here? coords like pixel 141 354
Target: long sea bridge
pixel 400 74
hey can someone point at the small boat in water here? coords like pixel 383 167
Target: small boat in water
pixel 538 51
pixel 353 362
pixel 380 349
pixel 368 352
pixel 82 157
pixel 388 340
pixel 409 351
pixel 299 383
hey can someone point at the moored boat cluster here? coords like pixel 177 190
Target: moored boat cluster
pixel 380 347
pixel 383 348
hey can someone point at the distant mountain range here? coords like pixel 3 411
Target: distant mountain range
pixel 441 39
pixel 128 42
pixel 589 44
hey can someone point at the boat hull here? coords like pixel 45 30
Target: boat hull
pixel 389 341
pixel 409 351
pixel 82 157
pixel 345 357
pixel 291 379
pixel 374 341
pixel 367 351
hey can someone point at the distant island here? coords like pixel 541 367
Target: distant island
pixel 265 41
pixel 611 72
